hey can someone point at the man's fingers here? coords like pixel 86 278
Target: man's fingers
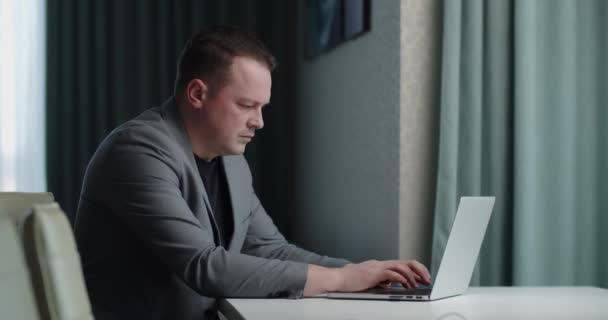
pixel 421 270
pixel 419 267
pixel 410 276
pixel 406 272
pixel 393 276
pixel 418 270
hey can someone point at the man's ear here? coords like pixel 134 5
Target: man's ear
pixel 196 93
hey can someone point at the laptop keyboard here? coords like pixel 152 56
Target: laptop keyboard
pixel 400 290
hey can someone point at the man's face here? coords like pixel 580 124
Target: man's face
pixel 230 117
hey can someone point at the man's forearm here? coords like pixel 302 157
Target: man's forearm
pixel 293 253
pixel 321 280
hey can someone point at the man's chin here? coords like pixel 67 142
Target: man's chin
pixel 237 151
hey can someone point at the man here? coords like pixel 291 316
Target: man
pixel 168 219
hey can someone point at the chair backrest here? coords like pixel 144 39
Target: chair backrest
pixel 14 204
pixel 17 299
pixel 54 264
pixel 16 293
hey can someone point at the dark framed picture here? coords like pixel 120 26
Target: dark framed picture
pixel 332 22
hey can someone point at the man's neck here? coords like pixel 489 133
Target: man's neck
pixel 186 116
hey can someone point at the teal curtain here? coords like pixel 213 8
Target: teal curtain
pixel 110 60
pixel 523 117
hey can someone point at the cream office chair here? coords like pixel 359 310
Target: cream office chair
pixel 17 299
pixel 14 204
pixel 40 271
pixel 55 264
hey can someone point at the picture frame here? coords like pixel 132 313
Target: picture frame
pixel 330 23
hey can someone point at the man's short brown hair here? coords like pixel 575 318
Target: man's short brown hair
pixel 208 55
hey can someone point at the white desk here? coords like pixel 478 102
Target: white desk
pixel 480 303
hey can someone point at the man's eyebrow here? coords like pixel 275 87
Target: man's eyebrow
pixel 247 100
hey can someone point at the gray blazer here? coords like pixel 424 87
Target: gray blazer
pixel 148 240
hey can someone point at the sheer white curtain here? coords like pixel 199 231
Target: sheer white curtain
pixel 22 95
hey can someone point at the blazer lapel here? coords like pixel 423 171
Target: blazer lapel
pixel 201 186
pixel 176 127
pixel 238 196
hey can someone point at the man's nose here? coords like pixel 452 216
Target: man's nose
pixel 257 121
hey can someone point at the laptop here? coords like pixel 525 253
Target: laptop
pixel 458 261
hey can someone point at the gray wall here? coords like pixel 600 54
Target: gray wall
pixel 348 167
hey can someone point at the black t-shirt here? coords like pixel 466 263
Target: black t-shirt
pixel 214 177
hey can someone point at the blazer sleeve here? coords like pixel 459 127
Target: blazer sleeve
pixel 264 240
pixel 139 181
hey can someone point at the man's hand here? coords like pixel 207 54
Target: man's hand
pixel 365 275
pixel 358 277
